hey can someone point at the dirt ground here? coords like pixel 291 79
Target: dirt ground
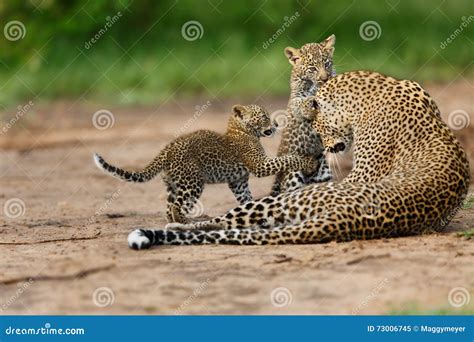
pixel 66 252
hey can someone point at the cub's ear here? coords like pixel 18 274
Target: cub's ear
pixel 292 54
pixel 238 111
pixel 328 43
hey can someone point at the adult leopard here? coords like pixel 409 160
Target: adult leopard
pixel 410 174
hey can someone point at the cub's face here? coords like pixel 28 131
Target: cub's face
pixel 334 128
pixel 255 119
pixel 312 65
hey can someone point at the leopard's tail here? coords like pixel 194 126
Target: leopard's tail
pixel 149 172
pixel 145 238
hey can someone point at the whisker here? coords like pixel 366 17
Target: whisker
pixel 338 166
pixel 334 165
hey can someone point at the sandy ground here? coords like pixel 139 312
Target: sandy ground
pixel 66 251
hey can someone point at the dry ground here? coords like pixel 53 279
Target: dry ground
pixel 70 242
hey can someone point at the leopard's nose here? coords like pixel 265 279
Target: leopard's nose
pixel 339 147
pixel 268 132
pixel 323 75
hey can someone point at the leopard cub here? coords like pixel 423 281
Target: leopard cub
pixel 207 157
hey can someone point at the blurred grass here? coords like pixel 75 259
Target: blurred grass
pixel 414 309
pixel 143 57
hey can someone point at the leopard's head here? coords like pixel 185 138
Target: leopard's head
pixel 332 125
pixel 312 66
pixel 255 120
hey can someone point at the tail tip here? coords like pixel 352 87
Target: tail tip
pixel 138 240
pixel 97 161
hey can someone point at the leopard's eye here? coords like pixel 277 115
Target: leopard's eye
pixel 312 69
pixel 327 64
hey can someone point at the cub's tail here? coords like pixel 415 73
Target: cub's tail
pixel 150 171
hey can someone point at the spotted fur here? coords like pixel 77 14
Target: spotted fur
pixel 206 157
pixel 312 67
pixel 410 174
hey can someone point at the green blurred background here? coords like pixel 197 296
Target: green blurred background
pixel 143 57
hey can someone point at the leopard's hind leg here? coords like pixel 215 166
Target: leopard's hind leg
pixel 183 198
pixel 241 190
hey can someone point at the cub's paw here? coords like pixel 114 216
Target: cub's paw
pixel 310 165
pixel 138 240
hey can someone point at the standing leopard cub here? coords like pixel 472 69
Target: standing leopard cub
pixel 206 157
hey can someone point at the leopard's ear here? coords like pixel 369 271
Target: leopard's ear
pixel 292 54
pixel 238 111
pixel 328 44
